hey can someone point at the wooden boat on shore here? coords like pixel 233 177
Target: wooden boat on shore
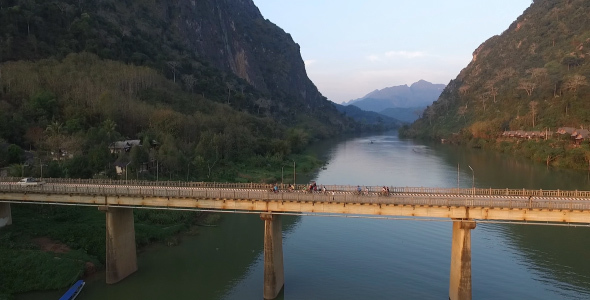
pixel 73 292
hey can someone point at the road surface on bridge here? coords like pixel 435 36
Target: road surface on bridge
pixel 470 203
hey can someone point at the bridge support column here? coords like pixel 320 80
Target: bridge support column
pixel 460 279
pixel 5 215
pixel 121 257
pixel 274 278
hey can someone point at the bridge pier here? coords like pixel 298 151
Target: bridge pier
pixel 274 278
pixel 5 215
pixel 121 257
pixel 460 279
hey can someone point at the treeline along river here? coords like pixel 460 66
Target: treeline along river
pixel 375 258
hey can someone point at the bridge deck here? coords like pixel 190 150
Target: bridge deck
pixel 488 204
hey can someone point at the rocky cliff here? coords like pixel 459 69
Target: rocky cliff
pixel 234 37
pixel 534 76
pixel 222 49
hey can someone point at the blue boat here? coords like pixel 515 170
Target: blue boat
pixel 73 292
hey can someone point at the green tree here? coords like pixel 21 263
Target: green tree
pixel 15 154
pixel 138 156
pixel 298 140
pixel 109 126
pixel 43 106
pixel 55 137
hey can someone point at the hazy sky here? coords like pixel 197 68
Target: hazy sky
pixel 351 48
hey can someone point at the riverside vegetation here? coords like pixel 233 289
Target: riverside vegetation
pixel 235 156
pixel 213 91
pixel 534 76
pixel 79 233
pixel 25 265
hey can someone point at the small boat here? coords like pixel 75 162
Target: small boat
pixel 73 292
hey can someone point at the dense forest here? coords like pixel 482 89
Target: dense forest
pixel 105 101
pixel 534 76
pixel 193 90
pixel 77 76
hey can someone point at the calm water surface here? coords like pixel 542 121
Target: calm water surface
pixel 354 258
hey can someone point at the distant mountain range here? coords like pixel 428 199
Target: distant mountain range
pixel 376 120
pixel 402 102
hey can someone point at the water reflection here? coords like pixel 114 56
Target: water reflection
pixel 334 258
pixel 348 258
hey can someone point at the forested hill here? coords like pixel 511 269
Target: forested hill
pixel 210 80
pixel 534 76
pixel 196 43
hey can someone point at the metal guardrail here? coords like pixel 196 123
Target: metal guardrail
pixel 298 187
pixel 304 187
pixel 448 197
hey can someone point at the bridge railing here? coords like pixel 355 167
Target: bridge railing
pixel 345 194
pixel 305 187
pixel 300 187
pixel 148 183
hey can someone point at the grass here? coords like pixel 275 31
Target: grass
pixel 25 267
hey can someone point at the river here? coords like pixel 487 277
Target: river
pixel 372 258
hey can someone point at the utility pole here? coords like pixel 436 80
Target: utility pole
pixel 126 171
pixel 457 177
pixel 294 172
pixel 188 168
pixel 472 177
pixel 41 165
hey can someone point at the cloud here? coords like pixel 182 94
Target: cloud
pixel 405 54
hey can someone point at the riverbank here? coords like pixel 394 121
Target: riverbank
pixel 50 247
pixel 556 152
pixel 328 257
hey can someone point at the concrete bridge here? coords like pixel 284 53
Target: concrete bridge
pixel 463 206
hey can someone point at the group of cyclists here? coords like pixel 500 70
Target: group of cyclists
pixel 384 191
pixel 275 188
pixel 313 188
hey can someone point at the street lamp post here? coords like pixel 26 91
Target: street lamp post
pixel 472 177
pixel 457 177
pixel 282 177
pixel 23 169
pixel 126 170
pixel 188 168
pixel 294 172
pixel 42 170
pixel 41 165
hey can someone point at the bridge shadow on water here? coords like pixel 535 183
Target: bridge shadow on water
pixel 559 253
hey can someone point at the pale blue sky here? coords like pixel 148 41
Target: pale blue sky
pixel 351 48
